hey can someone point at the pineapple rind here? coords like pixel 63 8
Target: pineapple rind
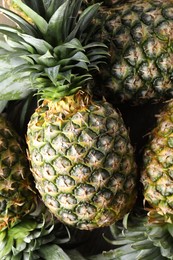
pixel 17 195
pixel 82 161
pixel 139 36
pixel 157 165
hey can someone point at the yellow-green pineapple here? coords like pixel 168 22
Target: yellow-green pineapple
pixel 139 35
pixel 17 194
pixel 80 151
pixel 157 177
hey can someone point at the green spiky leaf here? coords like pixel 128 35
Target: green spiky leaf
pixel 3 104
pixel 40 45
pixel 24 25
pixel 38 6
pixel 39 21
pixel 53 252
pixel 56 24
pixel 83 21
pixel 53 47
pixel 13 85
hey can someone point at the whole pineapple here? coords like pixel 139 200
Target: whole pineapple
pixel 80 151
pixel 17 195
pixel 157 166
pixel 82 161
pixel 139 35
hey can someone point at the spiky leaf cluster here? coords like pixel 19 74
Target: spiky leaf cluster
pixel 52 53
pixel 35 237
pixel 137 239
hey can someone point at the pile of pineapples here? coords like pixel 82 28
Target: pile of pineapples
pixel 87 88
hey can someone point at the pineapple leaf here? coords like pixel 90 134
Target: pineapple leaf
pixel 73 16
pixel 44 64
pixel 52 6
pixel 2 238
pixel 149 254
pixel 39 21
pixel 17 46
pixel 37 6
pixel 13 84
pixel 53 252
pixel 47 60
pixel 74 254
pixel 25 109
pixel 32 59
pixel 52 73
pixel 79 56
pixel 74 44
pixel 24 25
pixel 40 45
pixel 11 32
pixel 87 16
pixel 95 44
pixel 144 244
pixel 7 247
pixel 68 48
pixel 84 19
pixel 99 257
pixel 3 104
pixel 170 229
pixel 17 88
pixel 56 24
pixel 22 230
pixel 80 64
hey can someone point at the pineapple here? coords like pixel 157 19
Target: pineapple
pixel 17 195
pixel 80 151
pixel 157 166
pixel 139 35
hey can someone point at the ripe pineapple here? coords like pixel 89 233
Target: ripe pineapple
pixel 158 162
pixel 17 195
pixel 80 151
pixel 139 35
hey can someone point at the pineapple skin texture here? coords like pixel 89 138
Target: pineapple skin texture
pixel 82 161
pixel 17 195
pixel 139 35
pixel 157 172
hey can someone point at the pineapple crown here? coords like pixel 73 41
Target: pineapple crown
pixel 52 54
pixel 35 237
pixel 136 238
